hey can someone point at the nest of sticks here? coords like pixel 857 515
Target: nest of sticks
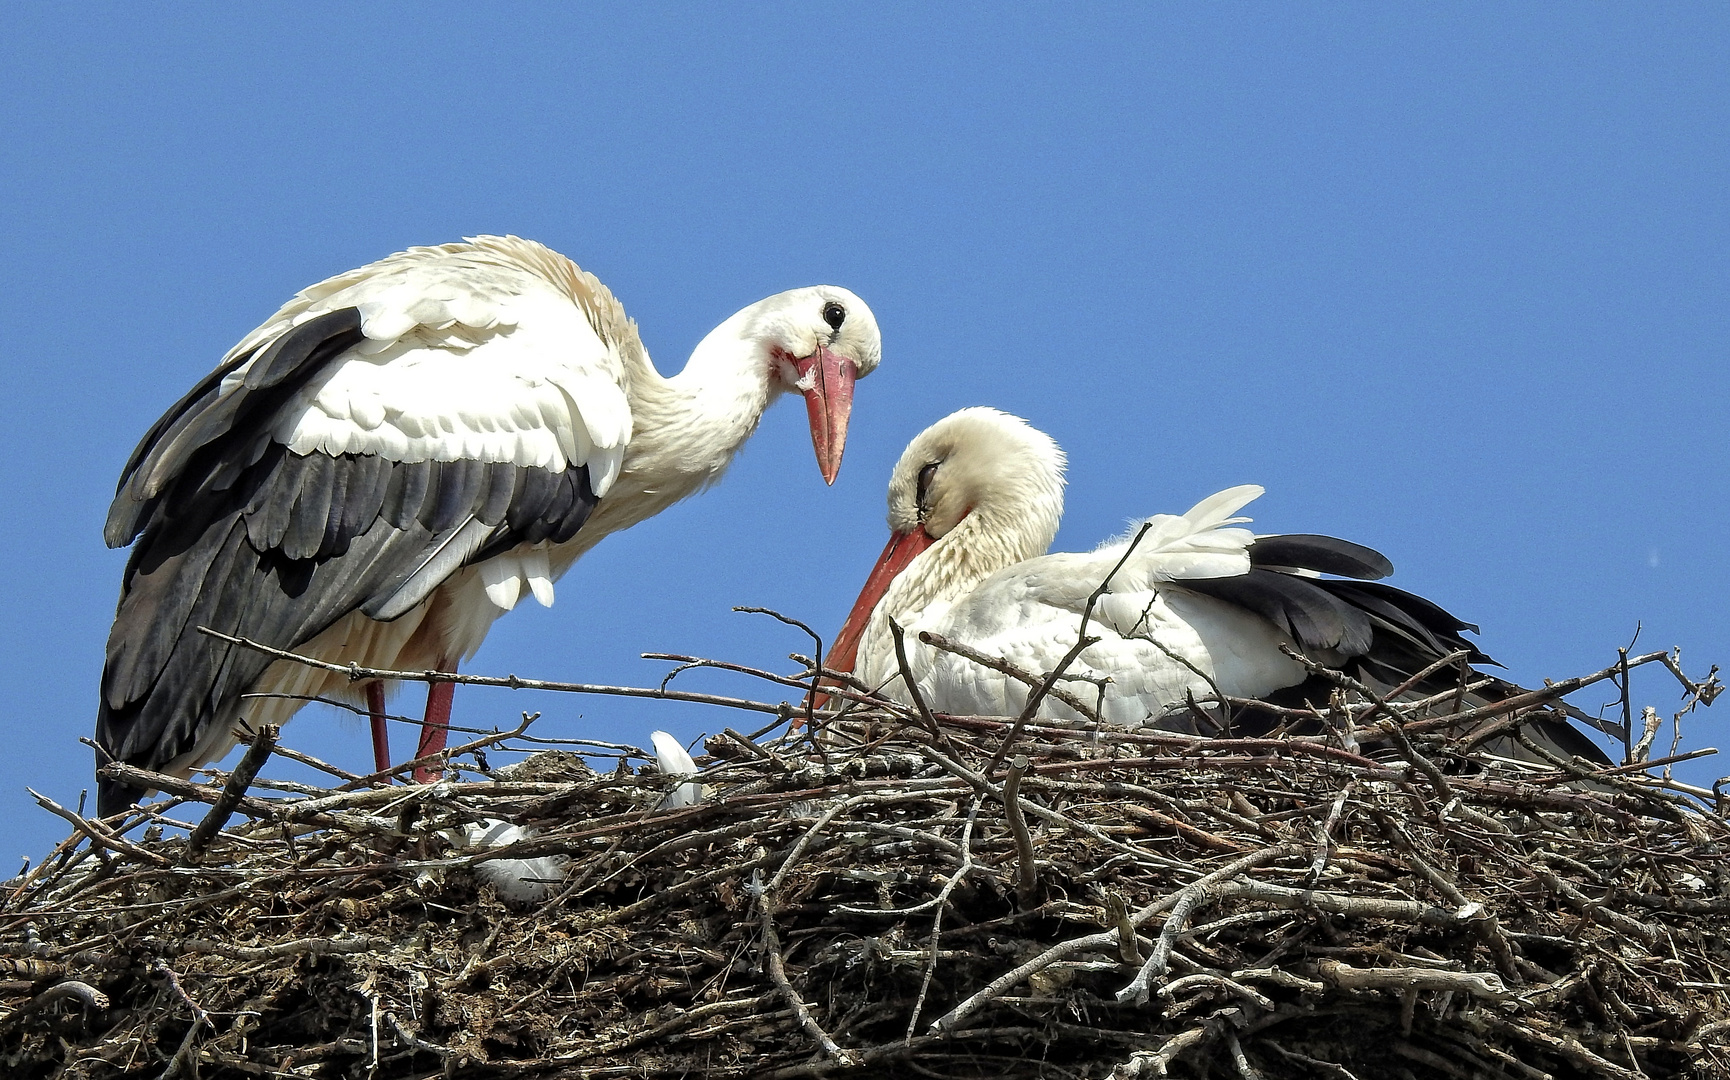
pixel 903 895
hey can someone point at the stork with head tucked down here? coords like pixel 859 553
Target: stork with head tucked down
pixel 397 456
pixel 1199 602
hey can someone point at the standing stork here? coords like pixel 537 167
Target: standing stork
pixel 1197 605
pixel 396 456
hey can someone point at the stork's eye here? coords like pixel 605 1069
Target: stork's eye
pixel 834 314
pixel 923 492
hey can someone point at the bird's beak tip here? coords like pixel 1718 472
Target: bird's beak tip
pixel 829 379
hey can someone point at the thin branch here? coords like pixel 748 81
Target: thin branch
pixel 777 969
pixel 1518 702
pixel 98 833
pixel 817 656
pixel 356 673
pixel 953 1019
pixel 912 684
pixel 937 920
pixel 1002 666
pixel 1082 641
pixel 1485 984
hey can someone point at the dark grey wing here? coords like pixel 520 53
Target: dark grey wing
pixel 1323 554
pixel 235 532
pixel 224 430
pixel 1310 615
pixel 1412 633
pixel 1380 635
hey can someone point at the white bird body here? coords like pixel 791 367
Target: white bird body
pixel 1193 605
pixel 424 440
pixel 1030 616
pixel 1158 644
pixel 517 881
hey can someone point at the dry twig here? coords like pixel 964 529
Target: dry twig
pixel 1272 906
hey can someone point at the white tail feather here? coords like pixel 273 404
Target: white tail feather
pixel 674 761
pixel 1198 544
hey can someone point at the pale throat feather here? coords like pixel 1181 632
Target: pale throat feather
pixel 982 543
pixel 687 429
pixel 690 426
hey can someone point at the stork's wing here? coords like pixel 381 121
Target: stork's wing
pixel 1381 635
pixel 383 430
pixel 1029 614
pixel 1192 593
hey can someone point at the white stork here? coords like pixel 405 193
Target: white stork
pixel 975 501
pixel 396 456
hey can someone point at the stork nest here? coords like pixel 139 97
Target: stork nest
pixel 970 897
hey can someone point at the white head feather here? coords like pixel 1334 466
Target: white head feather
pixel 987 487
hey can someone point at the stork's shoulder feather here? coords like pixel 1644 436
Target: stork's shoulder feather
pixel 496 349
pixel 1201 543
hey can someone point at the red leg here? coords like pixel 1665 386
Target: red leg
pixel 380 727
pixel 435 725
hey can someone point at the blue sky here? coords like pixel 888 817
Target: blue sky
pixel 1448 280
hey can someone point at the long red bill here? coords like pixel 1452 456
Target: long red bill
pixel 827 381
pixel 901 550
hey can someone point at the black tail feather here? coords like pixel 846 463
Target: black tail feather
pixel 1377 634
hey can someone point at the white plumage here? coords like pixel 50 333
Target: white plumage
pixel 517 881
pixel 675 761
pixel 1151 636
pixel 979 523
pixel 482 354
pixel 1198 605
pixel 404 451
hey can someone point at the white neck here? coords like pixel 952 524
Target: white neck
pixel 689 426
pixel 989 539
pixel 686 428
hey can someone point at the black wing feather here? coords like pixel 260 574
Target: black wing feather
pixel 1427 612
pixel 404 495
pixel 271 508
pixel 1410 616
pixel 235 532
pixel 535 488
pixel 363 500
pixel 500 489
pixel 459 483
pixel 1381 635
pixel 311 510
pixel 1323 554
pixel 1313 616
pixel 206 415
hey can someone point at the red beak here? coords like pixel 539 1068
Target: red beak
pixel 901 550
pixel 827 380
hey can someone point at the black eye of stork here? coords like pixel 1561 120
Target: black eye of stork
pixel 923 492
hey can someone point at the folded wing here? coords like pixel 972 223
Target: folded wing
pixel 383 431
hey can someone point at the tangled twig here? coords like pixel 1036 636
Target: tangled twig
pixel 1150 903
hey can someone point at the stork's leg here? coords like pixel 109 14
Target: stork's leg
pixel 435 725
pixel 380 732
